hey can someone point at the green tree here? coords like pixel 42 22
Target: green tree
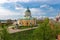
pixel 4 35
pixel 57 28
pixel 44 32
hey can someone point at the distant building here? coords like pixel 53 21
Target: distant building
pixel 27 20
pixel 7 22
pixel 58 18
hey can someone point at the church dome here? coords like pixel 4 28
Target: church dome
pixel 27 13
pixel 28 10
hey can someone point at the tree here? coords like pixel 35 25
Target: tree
pixel 44 31
pixel 9 22
pixel 4 35
pixel 57 28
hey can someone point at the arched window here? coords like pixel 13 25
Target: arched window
pixel 27 23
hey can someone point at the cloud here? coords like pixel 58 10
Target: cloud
pixel 26 1
pixel 41 0
pixel 4 11
pixel 7 14
pixel 19 10
pixel 41 14
pixel 4 1
pixel 19 0
pixel 51 17
pixel 42 17
pixel 48 8
pixel 44 6
pixel 37 12
pixel 19 7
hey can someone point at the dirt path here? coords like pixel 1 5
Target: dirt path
pixel 19 30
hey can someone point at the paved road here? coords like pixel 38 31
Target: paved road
pixel 19 30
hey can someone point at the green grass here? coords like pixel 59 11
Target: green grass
pixel 26 35
pixel 23 27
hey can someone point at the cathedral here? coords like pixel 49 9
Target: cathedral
pixel 27 20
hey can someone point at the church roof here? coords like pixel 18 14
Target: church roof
pixel 27 9
pixel 27 18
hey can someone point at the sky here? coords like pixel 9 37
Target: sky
pixel 15 9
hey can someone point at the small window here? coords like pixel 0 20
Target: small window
pixel 30 23
pixel 27 23
pixel 20 23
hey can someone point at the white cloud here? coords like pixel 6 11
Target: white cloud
pixel 41 1
pixel 6 14
pixel 40 17
pixel 37 11
pixel 51 17
pixel 3 1
pixel 49 9
pixel 44 6
pixel 18 7
pixel 4 11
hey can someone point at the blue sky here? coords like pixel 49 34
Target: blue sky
pixel 15 9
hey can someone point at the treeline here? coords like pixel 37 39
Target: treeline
pixel 47 30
